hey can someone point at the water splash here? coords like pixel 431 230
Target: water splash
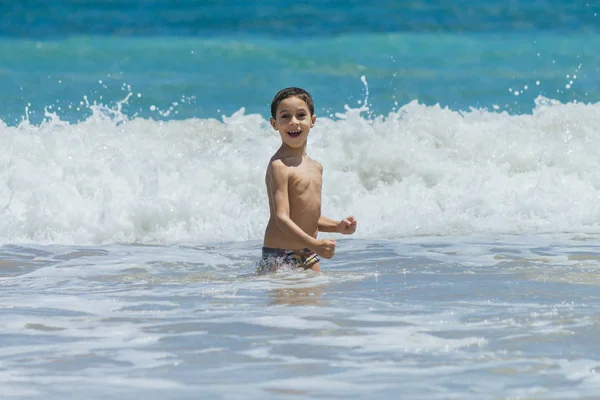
pixel 419 170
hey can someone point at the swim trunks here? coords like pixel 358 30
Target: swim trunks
pixel 273 259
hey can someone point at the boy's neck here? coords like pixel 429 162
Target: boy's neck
pixel 288 151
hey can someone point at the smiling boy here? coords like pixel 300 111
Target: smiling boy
pixel 293 182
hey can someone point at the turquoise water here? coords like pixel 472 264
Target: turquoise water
pixel 211 77
pixel 213 59
pixel 272 17
pixel 463 136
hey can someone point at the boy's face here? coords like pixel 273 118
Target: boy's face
pixel 293 121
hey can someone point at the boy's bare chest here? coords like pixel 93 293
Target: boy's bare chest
pixel 306 178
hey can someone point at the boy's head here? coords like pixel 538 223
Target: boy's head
pixel 292 92
pixel 293 115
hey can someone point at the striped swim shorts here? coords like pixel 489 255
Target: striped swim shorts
pixel 274 259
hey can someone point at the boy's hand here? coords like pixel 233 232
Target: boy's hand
pixel 325 248
pixel 347 226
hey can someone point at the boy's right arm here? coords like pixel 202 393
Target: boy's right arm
pixel 278 175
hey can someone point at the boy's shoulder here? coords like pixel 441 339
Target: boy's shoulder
pixel 314 162
pixel 319 165
pixel 278 166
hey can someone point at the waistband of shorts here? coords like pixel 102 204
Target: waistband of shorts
pixel 275 250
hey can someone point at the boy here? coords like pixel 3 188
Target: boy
pixel 294 188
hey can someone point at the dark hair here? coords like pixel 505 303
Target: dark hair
pixel 292 92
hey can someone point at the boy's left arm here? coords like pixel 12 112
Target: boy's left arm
pixel 347 226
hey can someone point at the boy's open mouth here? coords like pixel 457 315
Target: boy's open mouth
pixel 294 133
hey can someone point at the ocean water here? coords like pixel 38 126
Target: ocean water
pixel 462 136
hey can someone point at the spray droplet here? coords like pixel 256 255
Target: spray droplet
pixel 152 107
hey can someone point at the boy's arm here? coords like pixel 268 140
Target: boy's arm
pixel 327 225
pixel 347 226
pixel 279 177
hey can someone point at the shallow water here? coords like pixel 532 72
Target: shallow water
pixel 466 317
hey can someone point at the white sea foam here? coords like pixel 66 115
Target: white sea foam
pixel 421 170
